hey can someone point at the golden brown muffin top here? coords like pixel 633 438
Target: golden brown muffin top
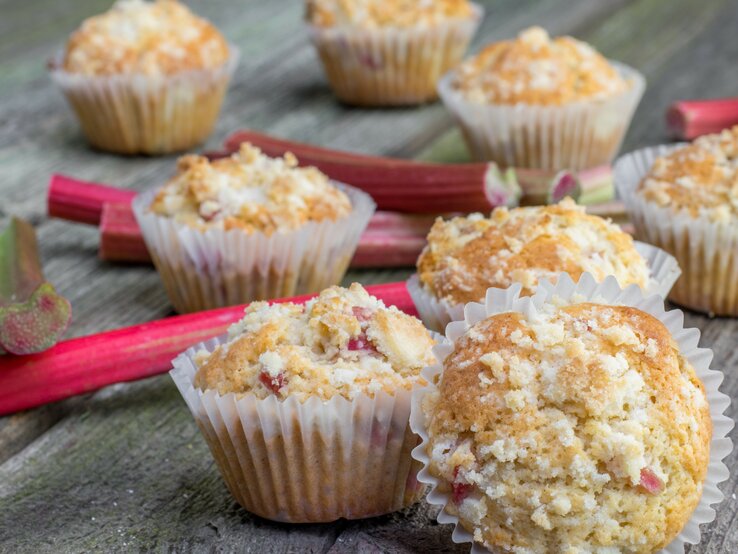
pixel 536 69
pixel 249 191
pixel 700 178
pixel 344 342
pixel 385 13
pixel 574 428
pixel 467 255
pixel 149 38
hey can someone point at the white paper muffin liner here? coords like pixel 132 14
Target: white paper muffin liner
pixel 216 268
pixel 506 300
pixel 707 250
pixel 577 135
pixel 391 66
pixel 437 313
pixel 315 461
pixel 147 114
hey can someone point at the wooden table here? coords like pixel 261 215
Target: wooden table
pixel 126 468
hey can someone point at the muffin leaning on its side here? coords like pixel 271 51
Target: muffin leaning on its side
pixel 389 52
pixel 305 408
pixel 583 418
pixel 145 77
pixel 684 199
pixel 249 227
pixel 465 256
pixel 545 103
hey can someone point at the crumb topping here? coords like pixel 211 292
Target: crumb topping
pixel 467 255
pixel 576 428
pixel 149 38
pixel 249 191
pixel 536 69
pixel 344 342
pixel 700 178
pixel 385 13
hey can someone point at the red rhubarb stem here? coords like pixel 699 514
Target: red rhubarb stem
pixel 85 364
pixel 689 119
pixel 82 201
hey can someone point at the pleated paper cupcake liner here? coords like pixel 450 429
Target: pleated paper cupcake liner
pixel 437 313
pixel 707 251
pixel 574 136
pixel 142 114
pixel 391 66
pixel 587 289
pixel 307 462
pixel 216 268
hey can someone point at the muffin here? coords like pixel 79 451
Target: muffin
pixel 538 102
pixel 249 227
pixel 389 52
pixel 305 408
pixel 684 199
pixel 575 421
pixel 145 77
pixel 467 255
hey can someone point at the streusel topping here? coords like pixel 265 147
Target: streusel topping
pixel 700 178
pixel 385 13
pixel 344 342
pixel 535 69
pixel 577 428
pixel 467 255
pixel 249 191
pixel 149 38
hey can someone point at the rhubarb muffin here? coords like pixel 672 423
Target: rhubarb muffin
pixel 389 52
pixel 249 227
pixel 684 199
pixel 467 255
pixel 306 407
pixel 542 102
pixel 571 427
pixel 145 77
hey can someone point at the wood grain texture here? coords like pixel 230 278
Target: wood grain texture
pixel 126 469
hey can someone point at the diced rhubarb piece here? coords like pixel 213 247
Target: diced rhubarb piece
pixel 32 315
pixel 361 342
pixel 689 119
pixel 650 481
pixel 85 364
pixel 361 313
pixel 273 383
pixel 459 489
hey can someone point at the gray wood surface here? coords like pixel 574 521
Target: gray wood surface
pixel 125 469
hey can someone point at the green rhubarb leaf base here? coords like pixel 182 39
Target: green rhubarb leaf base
pixel 34 325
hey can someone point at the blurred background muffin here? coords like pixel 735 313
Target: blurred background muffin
pixel 249 227
pixel 684 199
pixel 389 52
pixel 542 102
pixel 145 77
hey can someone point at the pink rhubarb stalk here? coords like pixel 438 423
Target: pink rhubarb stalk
pixel 32 315
pixel 689 119
pixel 390 240
pixel 85 364
pixel 414 186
